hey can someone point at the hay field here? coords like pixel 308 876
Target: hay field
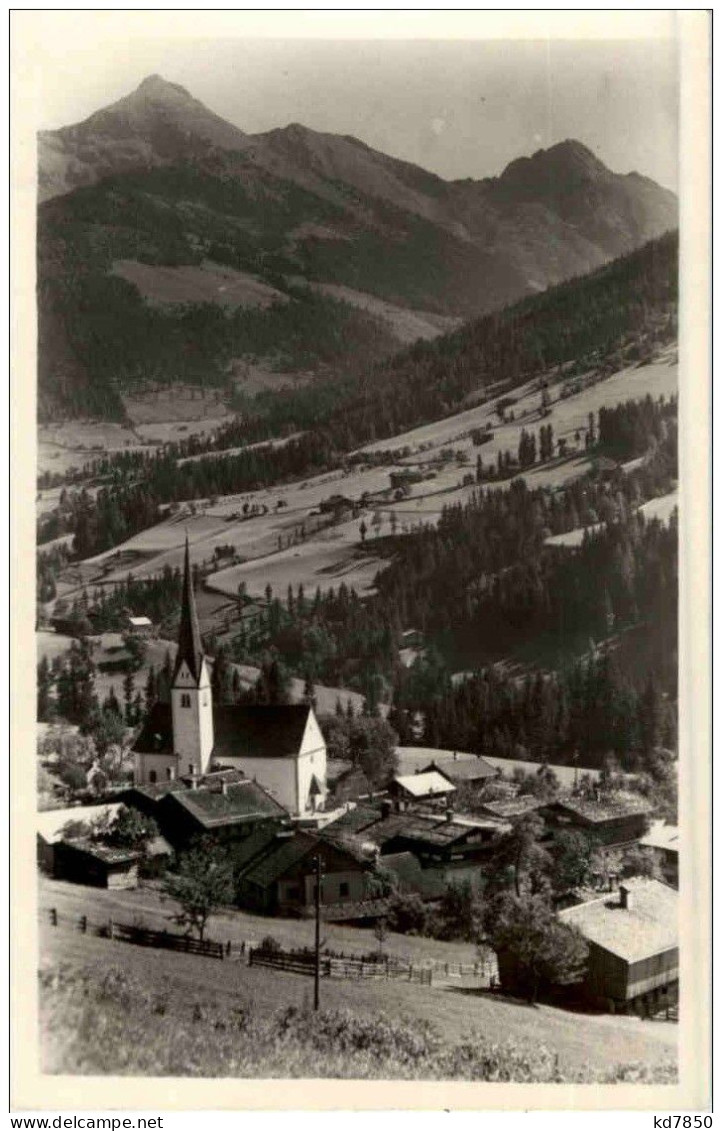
pixel 406 325
pixel 207 282
pixel 568 415
pixel 313 564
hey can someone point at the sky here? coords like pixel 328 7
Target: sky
pixel 461 108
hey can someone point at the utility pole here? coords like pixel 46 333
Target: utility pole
pixel 317 968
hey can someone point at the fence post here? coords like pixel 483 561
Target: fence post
pixel 53 917
pixel 228 947
pixel 84 924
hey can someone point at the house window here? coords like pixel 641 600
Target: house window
pixel 152 777
pixel 190 767
pixel 342 891
pixel 169 774
pixel 185 700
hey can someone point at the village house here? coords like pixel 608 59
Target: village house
pixel 430 786
pixel 281 747
pixel 282 879
pixel 633 962
pixel 450 848
pixel 663 841
pixel 613 820
pixel 463 771
pixel 223 804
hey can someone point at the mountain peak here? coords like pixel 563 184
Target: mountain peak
pixel 155 86
pixel 569 158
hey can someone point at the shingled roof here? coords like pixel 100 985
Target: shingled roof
pixel 241 801
pixel 239 730
pixel 647 926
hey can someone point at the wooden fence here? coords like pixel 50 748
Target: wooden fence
pixel 335 967
pixel 141 936
pixel 338 965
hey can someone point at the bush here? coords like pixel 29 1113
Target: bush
pixel 269 945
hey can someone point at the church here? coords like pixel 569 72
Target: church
pixel 280 747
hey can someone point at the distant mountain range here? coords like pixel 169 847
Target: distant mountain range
pixel 155 213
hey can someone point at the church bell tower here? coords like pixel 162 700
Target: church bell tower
pixel 191 697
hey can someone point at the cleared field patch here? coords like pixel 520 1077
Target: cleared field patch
pixel 407 325
pixel 568 414
pixel 662 507
pixel 313 565
pixel 207 282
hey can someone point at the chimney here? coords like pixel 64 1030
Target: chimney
pixel 194 779
pixel 224 787
pixel 626 898
pixel 449 814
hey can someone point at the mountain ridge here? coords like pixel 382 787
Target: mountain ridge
pixel 157 178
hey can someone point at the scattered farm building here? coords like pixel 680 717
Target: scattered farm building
pixel 86 862
pixel 633 962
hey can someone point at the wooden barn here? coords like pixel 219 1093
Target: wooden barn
pixel 633 962
pixel 85 862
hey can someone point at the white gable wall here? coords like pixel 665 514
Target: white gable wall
pixel 276 775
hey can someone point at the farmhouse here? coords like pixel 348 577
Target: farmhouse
pixel 280 747
pixel 615 820
pixel 633 945
pixel 282 878
pixel 229 807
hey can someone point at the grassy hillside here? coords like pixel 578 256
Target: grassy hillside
pixel 112 1007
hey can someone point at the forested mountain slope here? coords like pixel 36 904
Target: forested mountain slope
pixel 158 179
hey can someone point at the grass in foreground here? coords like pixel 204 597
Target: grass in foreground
pixel 97 1022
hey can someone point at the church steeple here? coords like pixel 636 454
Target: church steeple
pixel 190 646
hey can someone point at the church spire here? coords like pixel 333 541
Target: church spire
pixel 190 647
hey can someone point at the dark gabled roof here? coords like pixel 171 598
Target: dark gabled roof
pixel 242 801
pixel 190 646
pixel 247 852
pixel 288 850
pixel 356 819
pixel 239 731
pixel 259 731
